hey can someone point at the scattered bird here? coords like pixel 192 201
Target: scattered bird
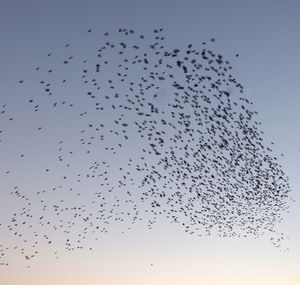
pixel 163 133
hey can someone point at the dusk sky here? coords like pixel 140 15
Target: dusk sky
pixel 265 36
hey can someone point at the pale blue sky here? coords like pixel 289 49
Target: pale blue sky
pixel 266 36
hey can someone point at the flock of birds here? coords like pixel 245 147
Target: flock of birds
pixel 137 132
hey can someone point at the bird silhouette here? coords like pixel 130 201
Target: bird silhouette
pixel 150 132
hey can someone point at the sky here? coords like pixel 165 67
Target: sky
pixel 266 37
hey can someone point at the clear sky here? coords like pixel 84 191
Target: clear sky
pixel 266 36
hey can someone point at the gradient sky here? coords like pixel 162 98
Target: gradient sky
pixel 266 36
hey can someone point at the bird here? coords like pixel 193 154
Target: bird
pixel 155 129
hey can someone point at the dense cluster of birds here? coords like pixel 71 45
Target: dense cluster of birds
pixel 135 132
